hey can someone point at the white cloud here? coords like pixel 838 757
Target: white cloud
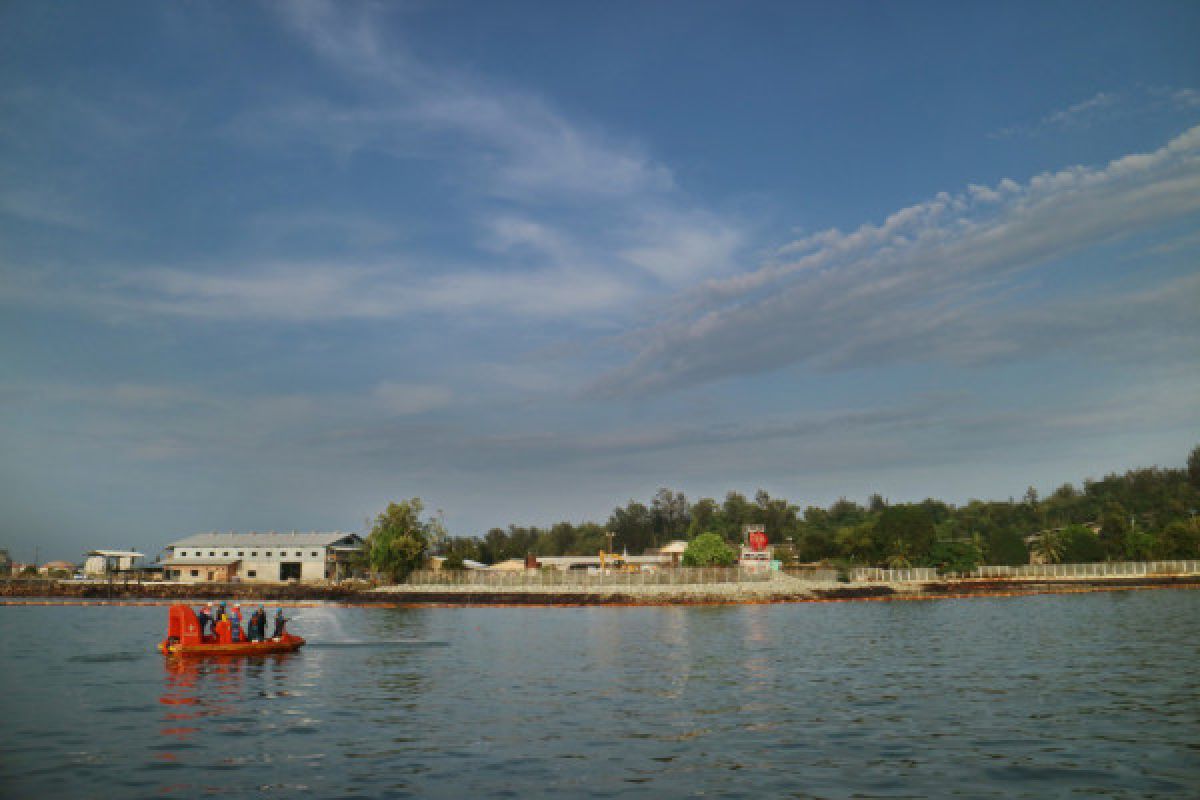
pixel 907 289
pixel 1079 113
pixel 1101 107
pixel 304 292
pixel 679 248
pixel 522 146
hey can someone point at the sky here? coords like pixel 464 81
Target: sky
pixel 269 266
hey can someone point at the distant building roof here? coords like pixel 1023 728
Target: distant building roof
pixel 271 539
pixel 58 565
pixel 674 546
pixel 197 562
pixel 510 564
pixel 117 553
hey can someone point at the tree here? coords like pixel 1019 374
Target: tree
pixel 955 556
pixel 633 526
pixel 708 550
pixel 1006 547
pixel 905 531
pixel 398 541
pixel 1081 546
pixel 670 514
pixel 1049 547
pixel 1181 539
pixel 1193 467
pixel 703 514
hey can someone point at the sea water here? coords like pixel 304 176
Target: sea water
pixel 1042 696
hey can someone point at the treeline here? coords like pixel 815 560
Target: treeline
pixel 1147 513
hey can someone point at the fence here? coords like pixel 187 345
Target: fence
pixel 812 573
pixel 1107 569
pixel 893 575
pixel 582 578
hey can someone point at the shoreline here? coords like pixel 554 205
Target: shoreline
pixel 775 592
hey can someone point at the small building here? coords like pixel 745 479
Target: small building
pixel 109 562
pixel 262 557
pixel 57 567
pixel 438 562
pixel 671 552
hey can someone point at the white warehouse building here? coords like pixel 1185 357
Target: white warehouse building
pixel 261 557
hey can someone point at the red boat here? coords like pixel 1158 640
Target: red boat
pixel 184 638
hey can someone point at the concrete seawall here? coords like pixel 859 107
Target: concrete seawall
pixel 781 589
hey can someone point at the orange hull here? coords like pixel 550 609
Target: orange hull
pixel 284 644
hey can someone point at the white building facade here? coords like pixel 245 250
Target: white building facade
pixel 107 562
pixel 261 557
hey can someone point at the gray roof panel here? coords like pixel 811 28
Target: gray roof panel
pixel 271 539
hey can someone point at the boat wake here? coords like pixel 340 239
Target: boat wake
pixel 382 643
pixel 105 658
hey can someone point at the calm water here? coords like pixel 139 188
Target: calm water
pixel 1077 695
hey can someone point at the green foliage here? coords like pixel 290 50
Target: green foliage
pixel 1144 513
pixel 903 534
pixel 955 556
pixel 398 541
pixel 1006 548
pixel 1180 539
pixel 454 563
pixel 1080 546
pixel 1050 547
pixel 708 550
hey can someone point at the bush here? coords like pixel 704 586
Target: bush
pixel 708 550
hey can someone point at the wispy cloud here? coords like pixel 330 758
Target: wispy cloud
pixel 303 292
pixel 931 282
pixel 1077 115
pixel 1105 107
pixel 522 146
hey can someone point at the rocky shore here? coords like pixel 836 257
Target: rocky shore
pixel 781 589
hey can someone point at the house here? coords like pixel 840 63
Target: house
pixel 437 562
pixel 56 567
pixel 672 550
pixel 262 557
pixel 107 562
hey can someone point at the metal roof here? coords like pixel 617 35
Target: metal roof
pixel 117 553
pixel 271 539
pixel 197 562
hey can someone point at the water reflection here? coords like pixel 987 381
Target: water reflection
pixel 914 699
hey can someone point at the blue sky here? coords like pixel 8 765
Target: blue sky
pixel 269 266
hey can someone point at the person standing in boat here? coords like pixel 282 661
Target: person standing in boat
pixel 236 621
pixel 204 617
pixel 280 622
pixel 262 623
pixel 253 632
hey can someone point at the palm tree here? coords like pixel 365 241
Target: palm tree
pixel 1049 547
